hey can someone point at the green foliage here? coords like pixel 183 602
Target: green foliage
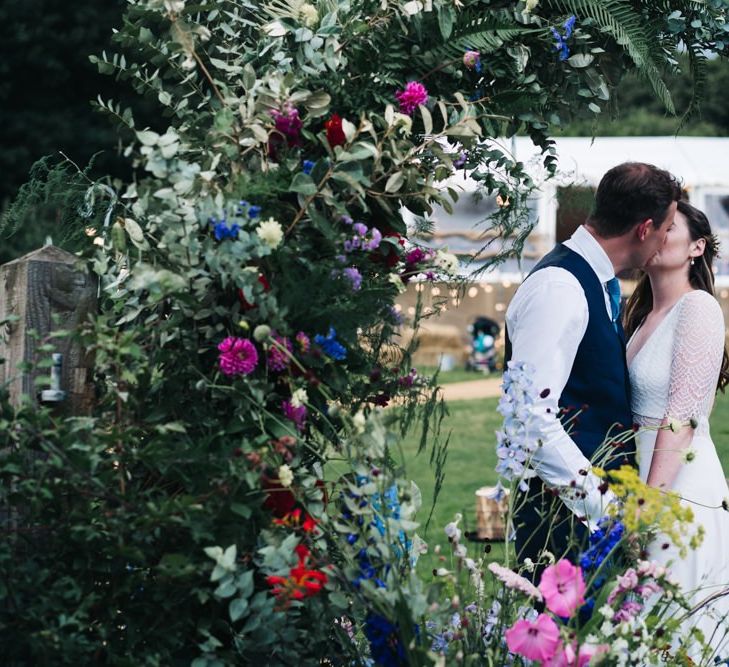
pixel 635 112
pixel 52 204
pixel 46 83
pixel 218 504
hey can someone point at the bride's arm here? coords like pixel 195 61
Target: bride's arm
pixel 697 353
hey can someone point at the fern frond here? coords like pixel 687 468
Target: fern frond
pixel 485 35
pixel 627 28
pixel 698 64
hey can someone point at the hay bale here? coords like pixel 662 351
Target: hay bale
pixel 492 504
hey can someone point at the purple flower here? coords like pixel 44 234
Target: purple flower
pixel 354 276
pixel 627 612
pixel 360 228
pixel 346 220
pixel 238 356
pixel 375 240
pixel 460 160
pixel 415 256
pixel 411 97
pixel 296 415
pixel 278 360
pixel 288 123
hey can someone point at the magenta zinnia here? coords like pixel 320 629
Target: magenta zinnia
pixel 410 98
pixel 238 356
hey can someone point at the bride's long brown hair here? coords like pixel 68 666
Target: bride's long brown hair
pixel 701 276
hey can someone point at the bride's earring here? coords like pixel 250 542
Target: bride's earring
pixel 693 261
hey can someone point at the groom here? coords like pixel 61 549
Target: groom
pixel 565 321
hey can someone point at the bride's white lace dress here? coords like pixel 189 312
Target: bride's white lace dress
pixel 674 374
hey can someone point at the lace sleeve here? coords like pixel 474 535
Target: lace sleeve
pixel 698 346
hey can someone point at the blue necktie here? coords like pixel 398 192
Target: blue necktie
pixel 613 290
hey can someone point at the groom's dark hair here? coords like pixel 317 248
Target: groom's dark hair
pixel 629 194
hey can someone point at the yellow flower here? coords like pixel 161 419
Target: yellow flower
pixel 645 509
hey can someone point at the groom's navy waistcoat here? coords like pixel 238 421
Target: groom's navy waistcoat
pixel 598 383
pixel 599 388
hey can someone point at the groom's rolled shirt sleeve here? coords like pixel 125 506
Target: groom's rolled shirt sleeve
pixel 546 321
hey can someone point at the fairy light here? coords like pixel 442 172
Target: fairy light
pixel 472 292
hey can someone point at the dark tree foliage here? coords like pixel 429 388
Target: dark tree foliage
pixel 637 112
pixel 47 82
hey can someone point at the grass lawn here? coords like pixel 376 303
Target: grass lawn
pixel 470 465
pixel 458 374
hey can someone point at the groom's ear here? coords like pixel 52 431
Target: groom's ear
pixel 643 228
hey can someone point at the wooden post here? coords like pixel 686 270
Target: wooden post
pixel 47 292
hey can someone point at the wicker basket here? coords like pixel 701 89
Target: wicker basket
pixel 492 503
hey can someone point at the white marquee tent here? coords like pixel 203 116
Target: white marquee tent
pixel 702 164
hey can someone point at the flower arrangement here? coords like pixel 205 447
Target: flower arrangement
pixel 247 289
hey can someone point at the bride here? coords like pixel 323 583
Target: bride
pixel 676 360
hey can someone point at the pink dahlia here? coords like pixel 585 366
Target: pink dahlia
pixel 563 588
pixel 238 356
pixel 414 95
pixel 536 640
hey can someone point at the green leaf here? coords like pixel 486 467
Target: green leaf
pixel 427 119
pixel 395 182
pixel 580 60
pixel 446 16
pixel 303 184
pixel 237 608
pixel 241 510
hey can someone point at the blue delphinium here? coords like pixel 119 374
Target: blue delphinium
pixel 307 166
pixel 386 647
pixel 609 532
pixel 331 346
pixel 514 446
pixel 560 40
pixel 221 231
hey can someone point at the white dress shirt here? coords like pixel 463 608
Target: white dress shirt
pixel 546 321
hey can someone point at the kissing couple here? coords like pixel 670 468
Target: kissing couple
pixel 566 321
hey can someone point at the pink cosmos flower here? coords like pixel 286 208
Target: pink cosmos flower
pixel 238 356
pixel 514 580
pixel 569 656
pixel 563 588
pixel 536 640
pixel 410 98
